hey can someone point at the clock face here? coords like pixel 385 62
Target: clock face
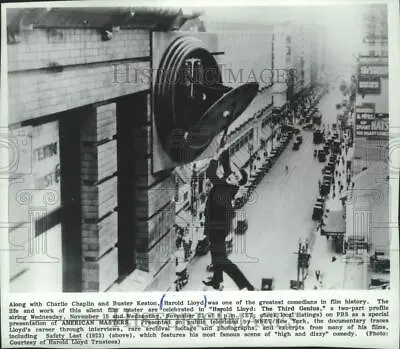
pixel 188 82
pixel 191 105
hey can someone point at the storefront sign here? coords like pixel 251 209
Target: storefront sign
pixel 40 188
pixel 373 70
pixel 372 125
pixel 366 108
pixel 369 86
pixel 46 156
pixel 373 60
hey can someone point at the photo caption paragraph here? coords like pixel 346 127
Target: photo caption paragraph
pixel 115 322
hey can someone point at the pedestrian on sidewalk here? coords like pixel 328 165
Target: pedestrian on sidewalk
pixel 287 169
pixel 219 214
pixel 317 274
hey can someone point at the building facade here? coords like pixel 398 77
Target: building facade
pixel 81 107
pixel 370 196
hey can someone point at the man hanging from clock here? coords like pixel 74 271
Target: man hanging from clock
pixel 219 214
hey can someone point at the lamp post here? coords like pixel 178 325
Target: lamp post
pixel 303 257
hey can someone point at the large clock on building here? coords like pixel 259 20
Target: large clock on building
pixel 191 104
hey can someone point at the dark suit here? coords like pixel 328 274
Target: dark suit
pixel 219 214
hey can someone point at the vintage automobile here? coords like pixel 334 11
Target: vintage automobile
pixel 308 126
pixel 318 211
pixel 290 129
pixel 380 262
pixel 296 145
pixel 296 285
pixel 336 146
pixel 321 156
pixel 317 119
pixel 299 139
pixel 267 284
pixel 318 137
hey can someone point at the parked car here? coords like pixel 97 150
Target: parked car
pixel 299 139
pixel 321 156
pixel 308 126
pixel 296 145
pixel 290 129
pixel 296 131
pixel 318 137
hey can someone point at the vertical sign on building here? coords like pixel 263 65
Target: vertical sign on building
pixel 370 124
pixel 46 158
pixel 35 197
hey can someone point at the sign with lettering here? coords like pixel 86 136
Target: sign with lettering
pixel 378 60
pixel 369 85
pixel 366 108
pixel 46 156
pixel 369 124
pixel 40 187
pixel 373 70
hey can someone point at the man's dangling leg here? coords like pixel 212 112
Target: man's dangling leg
pixel 217 258
pixel 236 275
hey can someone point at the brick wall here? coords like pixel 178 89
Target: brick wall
pixel 99 198
pixel 154 206
pixel 91 70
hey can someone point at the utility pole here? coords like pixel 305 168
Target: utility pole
pixel 303 261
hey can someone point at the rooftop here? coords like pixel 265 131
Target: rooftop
pixel 161 19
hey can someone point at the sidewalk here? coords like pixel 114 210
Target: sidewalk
pixel 337 271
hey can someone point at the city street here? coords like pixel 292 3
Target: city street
pixel 278 215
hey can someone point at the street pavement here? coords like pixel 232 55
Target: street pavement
pixel 279 215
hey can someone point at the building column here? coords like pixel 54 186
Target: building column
pixel 154 206
pixel 99 199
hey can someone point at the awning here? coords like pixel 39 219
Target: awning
pixel 266 133
pixel 239 158
pixel 183 218
pixel 184 172
pixel 162 19
pixel 335 223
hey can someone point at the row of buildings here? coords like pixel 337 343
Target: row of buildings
pixel 287 60
pixel 368 214
pixel 92 191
